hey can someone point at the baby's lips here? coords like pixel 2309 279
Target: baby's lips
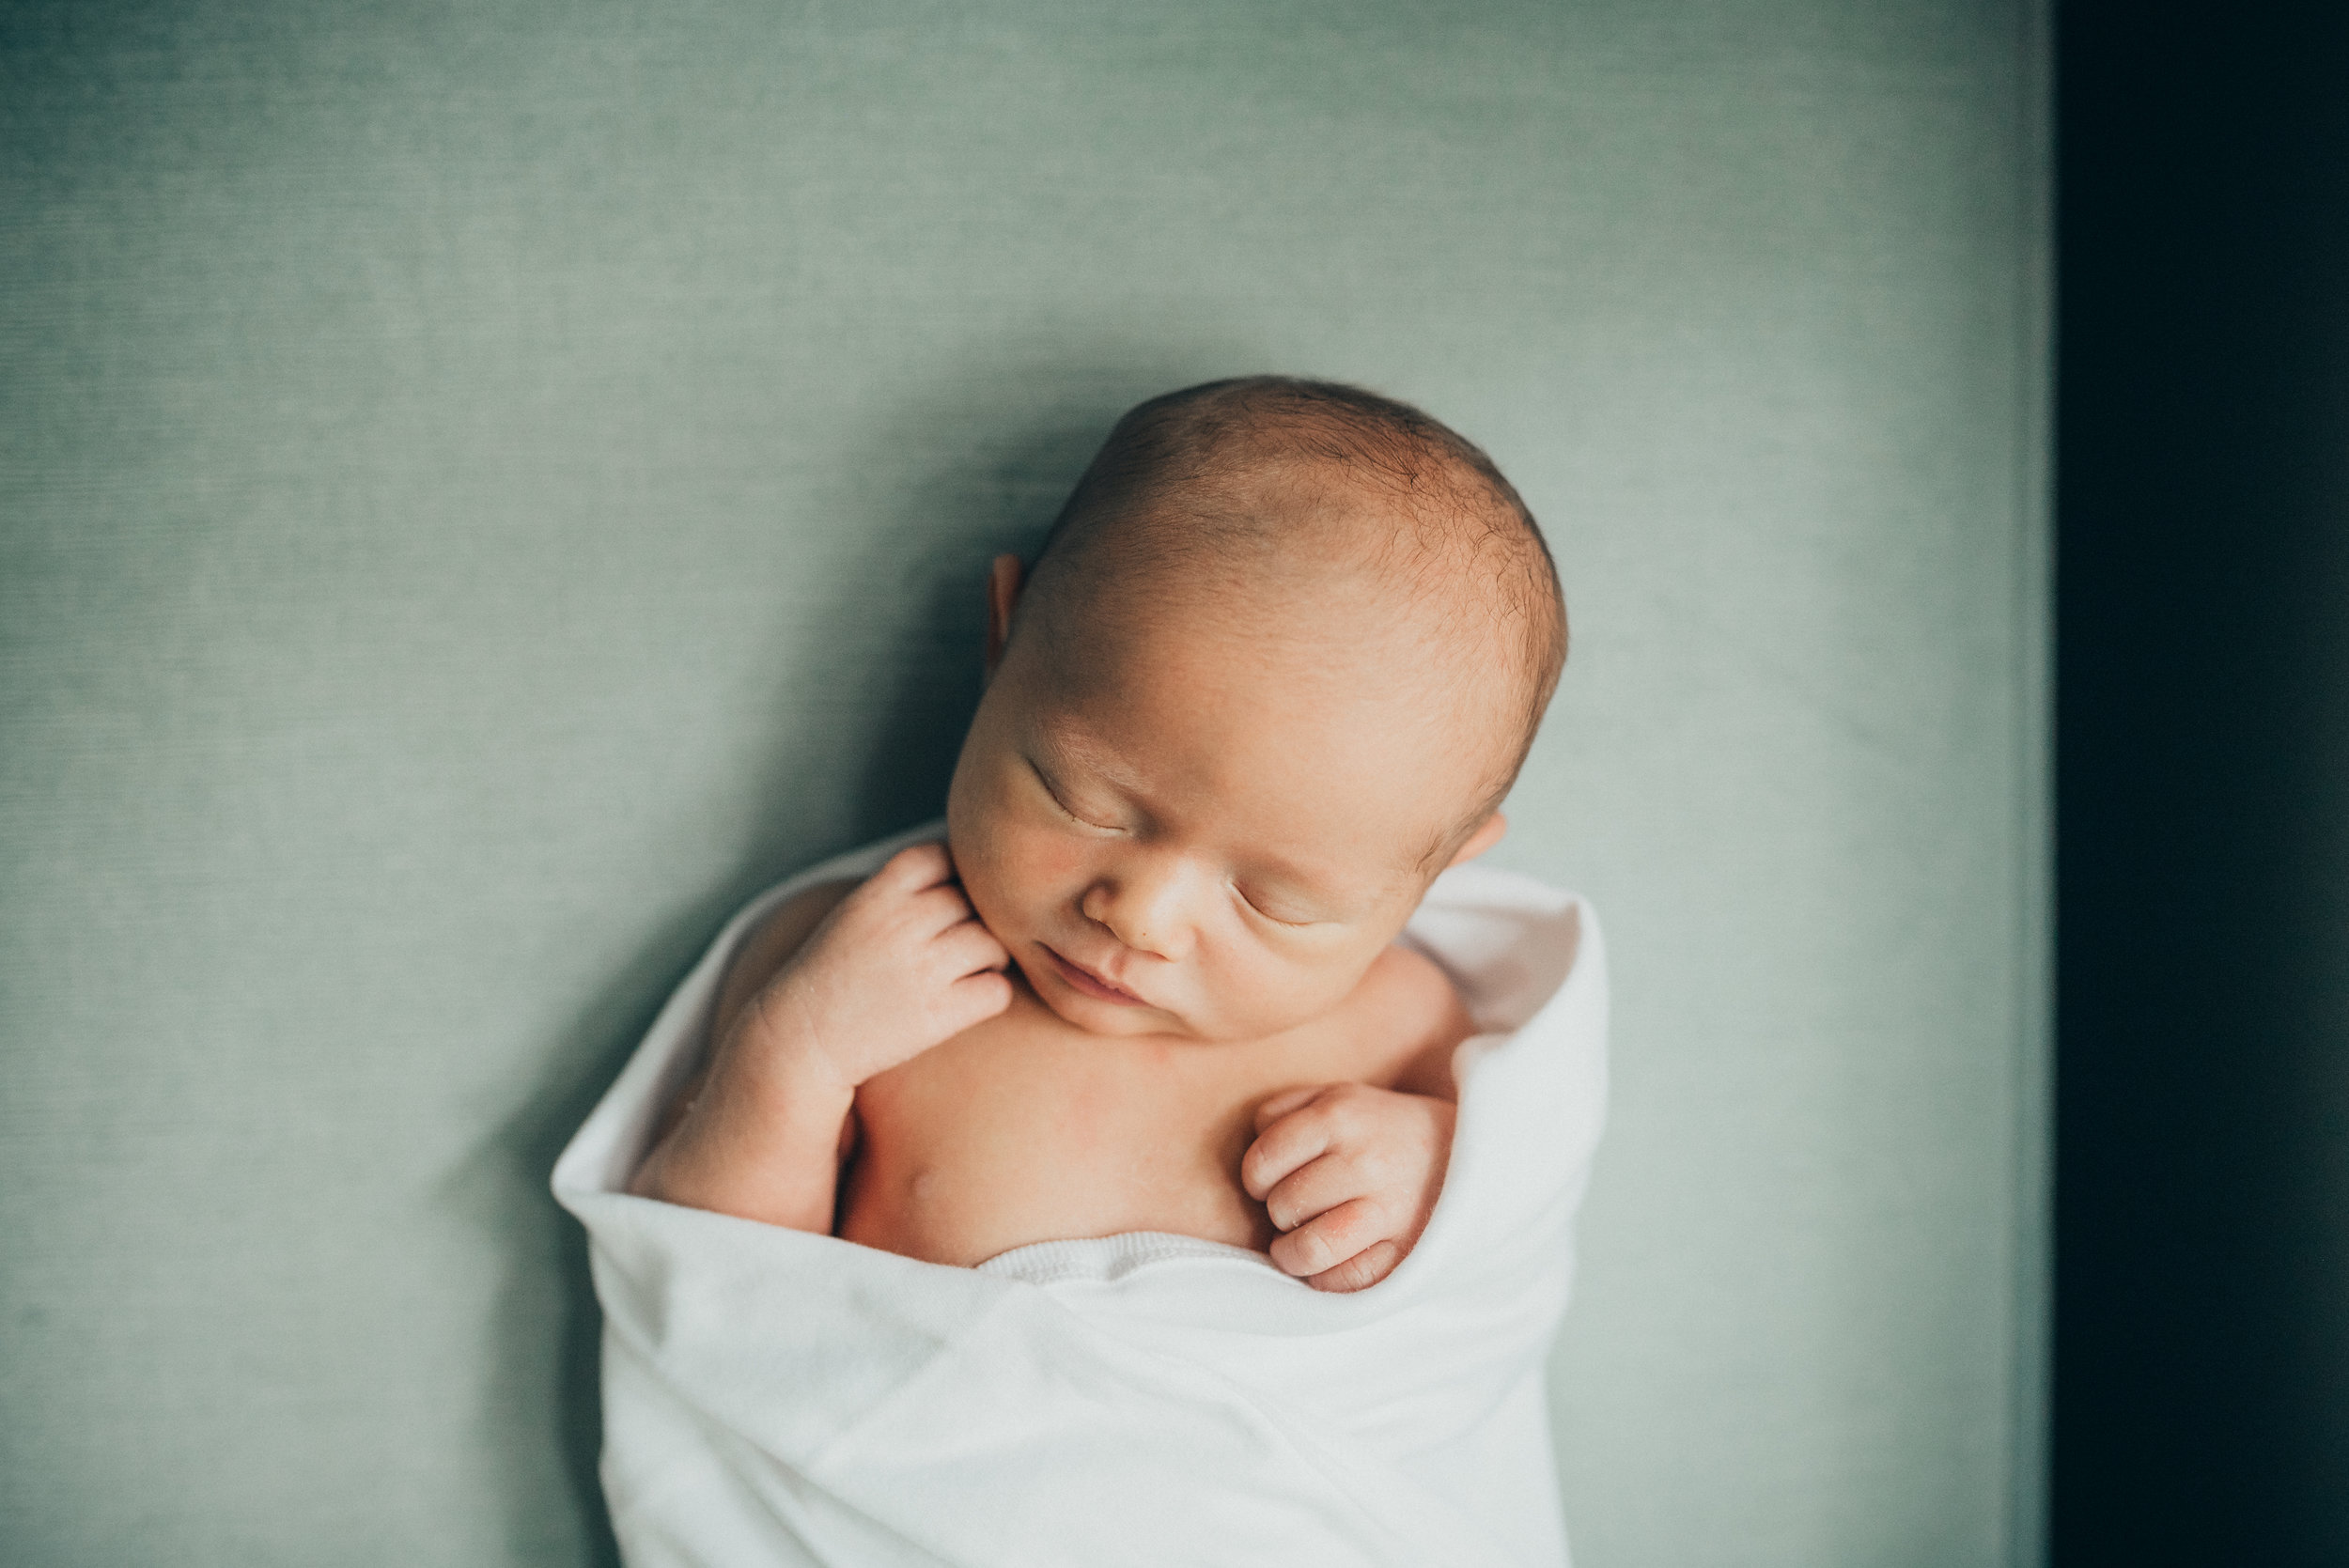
pixel 1086 983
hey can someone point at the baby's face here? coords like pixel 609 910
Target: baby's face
pixel 1180 828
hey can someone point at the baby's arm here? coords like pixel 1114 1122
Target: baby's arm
pixel 897 966
pixel 1349 1175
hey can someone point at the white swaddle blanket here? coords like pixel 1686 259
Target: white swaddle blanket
pixel 776 1397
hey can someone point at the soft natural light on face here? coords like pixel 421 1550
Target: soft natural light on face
pixel 1192 824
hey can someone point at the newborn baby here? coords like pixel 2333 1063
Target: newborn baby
pixel 1275 667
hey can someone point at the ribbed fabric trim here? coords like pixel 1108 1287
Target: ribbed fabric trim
pixel 1108 1259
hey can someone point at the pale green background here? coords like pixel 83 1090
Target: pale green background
pixel 485 488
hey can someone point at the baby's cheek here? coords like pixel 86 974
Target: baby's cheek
pixel 1013 877
pixel 1264 998
pixel 1048 860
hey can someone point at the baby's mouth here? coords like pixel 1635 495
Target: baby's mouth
pixel 1086 982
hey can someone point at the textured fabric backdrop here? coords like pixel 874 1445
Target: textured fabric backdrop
pixel 484 487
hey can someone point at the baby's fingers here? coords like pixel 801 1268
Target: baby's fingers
pixel 1314 1189
pixel 976 997
pixel 1363 1270
pixel 915 867
pixel 1281 1148
pixel 969 947
pixel 1285 1101
pixel 1330 1238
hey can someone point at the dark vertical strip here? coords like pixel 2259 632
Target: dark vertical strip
pixel 2202 1351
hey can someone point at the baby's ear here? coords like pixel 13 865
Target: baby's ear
pixel 1488 834
pixel 1002 594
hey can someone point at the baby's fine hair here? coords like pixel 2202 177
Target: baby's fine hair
pixel 1174 453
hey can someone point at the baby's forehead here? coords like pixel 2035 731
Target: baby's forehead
pixel 1338 653
pixel 1305 573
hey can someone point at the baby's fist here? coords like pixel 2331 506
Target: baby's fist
pixel 1349 1174
pixel 899 965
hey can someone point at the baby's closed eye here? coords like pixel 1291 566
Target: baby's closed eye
pixel 1059 795
pixel 1271 908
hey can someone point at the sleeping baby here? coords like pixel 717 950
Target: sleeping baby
pixel 1274 668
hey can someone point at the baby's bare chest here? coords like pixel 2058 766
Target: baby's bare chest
pixel 1027 1129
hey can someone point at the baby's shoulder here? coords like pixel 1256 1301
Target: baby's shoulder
pixel 1402 970
pixel 1406 984
pixel 1403 1019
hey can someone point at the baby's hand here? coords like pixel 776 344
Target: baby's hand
pixel 894 967
pixel 899 966
pixel 1349 1174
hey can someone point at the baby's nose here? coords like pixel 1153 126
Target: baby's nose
pixel 1142 908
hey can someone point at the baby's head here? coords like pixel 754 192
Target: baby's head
pixel 1275 667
